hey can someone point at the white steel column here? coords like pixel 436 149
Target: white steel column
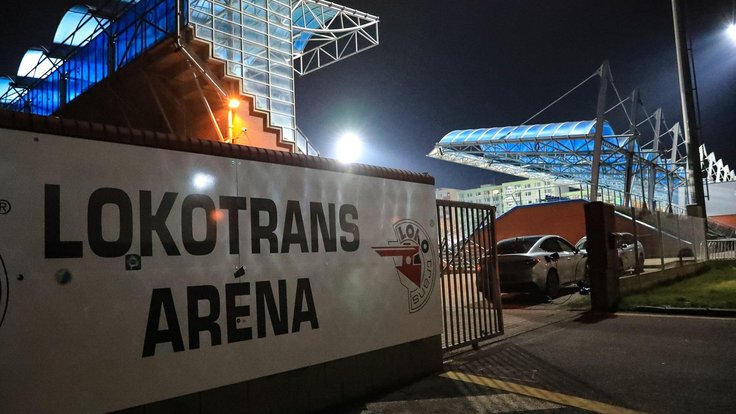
pixel 603 72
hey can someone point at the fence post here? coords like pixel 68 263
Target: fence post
pixel 679 239
pixel 659 238
pixel 636 242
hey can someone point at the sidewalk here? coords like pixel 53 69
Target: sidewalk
pixel 552 359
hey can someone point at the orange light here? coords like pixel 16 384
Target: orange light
pixel 233 103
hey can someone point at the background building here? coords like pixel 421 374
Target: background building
pixel 508 195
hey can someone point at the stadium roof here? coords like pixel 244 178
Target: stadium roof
pixel 555 152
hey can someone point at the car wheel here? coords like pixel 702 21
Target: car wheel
pixel 552 286
pixel 640 265
pixel 620 267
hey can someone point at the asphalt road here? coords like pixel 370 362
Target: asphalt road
pixel 585 363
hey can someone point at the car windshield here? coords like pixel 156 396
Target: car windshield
pixel 582 243
pixel 515 246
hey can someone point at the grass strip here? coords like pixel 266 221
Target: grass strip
pixel 714 288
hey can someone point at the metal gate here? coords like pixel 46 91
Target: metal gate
pixel 471 300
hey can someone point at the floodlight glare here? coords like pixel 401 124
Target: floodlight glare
pixel 348 149
pixel 731 31
pixel 233 103
pixel 202 181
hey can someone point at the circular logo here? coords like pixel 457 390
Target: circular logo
pixel 4 206
pixel 4 291
pixel 415 260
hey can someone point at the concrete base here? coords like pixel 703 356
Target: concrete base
pixel 634 283
pixel 313 388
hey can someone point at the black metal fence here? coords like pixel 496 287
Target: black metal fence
pixel 471 300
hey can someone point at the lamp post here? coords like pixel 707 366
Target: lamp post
pixel 689 113
pixel 232 105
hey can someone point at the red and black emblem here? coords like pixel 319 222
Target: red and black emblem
pixel 414 259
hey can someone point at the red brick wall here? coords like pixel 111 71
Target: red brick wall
pixel 565 218
pixel 727 220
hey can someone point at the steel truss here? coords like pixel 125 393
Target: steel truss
pixel 648 159
pixel 325 33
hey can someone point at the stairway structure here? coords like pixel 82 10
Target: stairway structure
pixel 196 68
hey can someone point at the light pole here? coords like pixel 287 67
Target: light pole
pixel 232 105
pixel 689 113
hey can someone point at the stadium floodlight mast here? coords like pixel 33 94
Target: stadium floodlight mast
pixel 348 148
pixel 689 111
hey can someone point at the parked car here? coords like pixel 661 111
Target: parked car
pixel 628 250
pixel 539 263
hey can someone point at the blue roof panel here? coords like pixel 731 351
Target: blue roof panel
pixel 556 130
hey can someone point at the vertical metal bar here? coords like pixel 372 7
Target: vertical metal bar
pixel 679 238
pixel 455 275
pixel 498 309
pixel 491 270
pixel 451 278
pixel 695 237
pixel 442 232
pixel 659 236
pixel 485 276
pixel 451 275
pixel 474 261
pixel 487 308
pixel 464 278
pixel 636 241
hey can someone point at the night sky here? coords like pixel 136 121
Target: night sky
pixel 446 65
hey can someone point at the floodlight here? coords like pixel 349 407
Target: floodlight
pixel 731 31
pixel 349 148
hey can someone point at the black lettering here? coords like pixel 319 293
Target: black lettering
pixel 234 312
pixel 97 243
pixel 425 246
pixel 304 293
pixel 232 205
pixel 259 232
pixel 294 216
pixel 198 247
pixel 279 317
pixel 54 248
pixel 156 222
pixel 162 299
pixel 206 323
pixel 348 227
pixel 317 218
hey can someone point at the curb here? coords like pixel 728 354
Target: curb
pixel 726 313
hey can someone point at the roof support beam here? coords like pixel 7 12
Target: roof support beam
pixel 629 178
pixel 598 139
pixel 655 148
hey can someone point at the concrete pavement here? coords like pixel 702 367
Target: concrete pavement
pixel 553 359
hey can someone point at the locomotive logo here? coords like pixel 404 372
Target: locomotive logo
pixel 414 259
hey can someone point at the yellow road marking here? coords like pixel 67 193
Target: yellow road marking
pixel 564 399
